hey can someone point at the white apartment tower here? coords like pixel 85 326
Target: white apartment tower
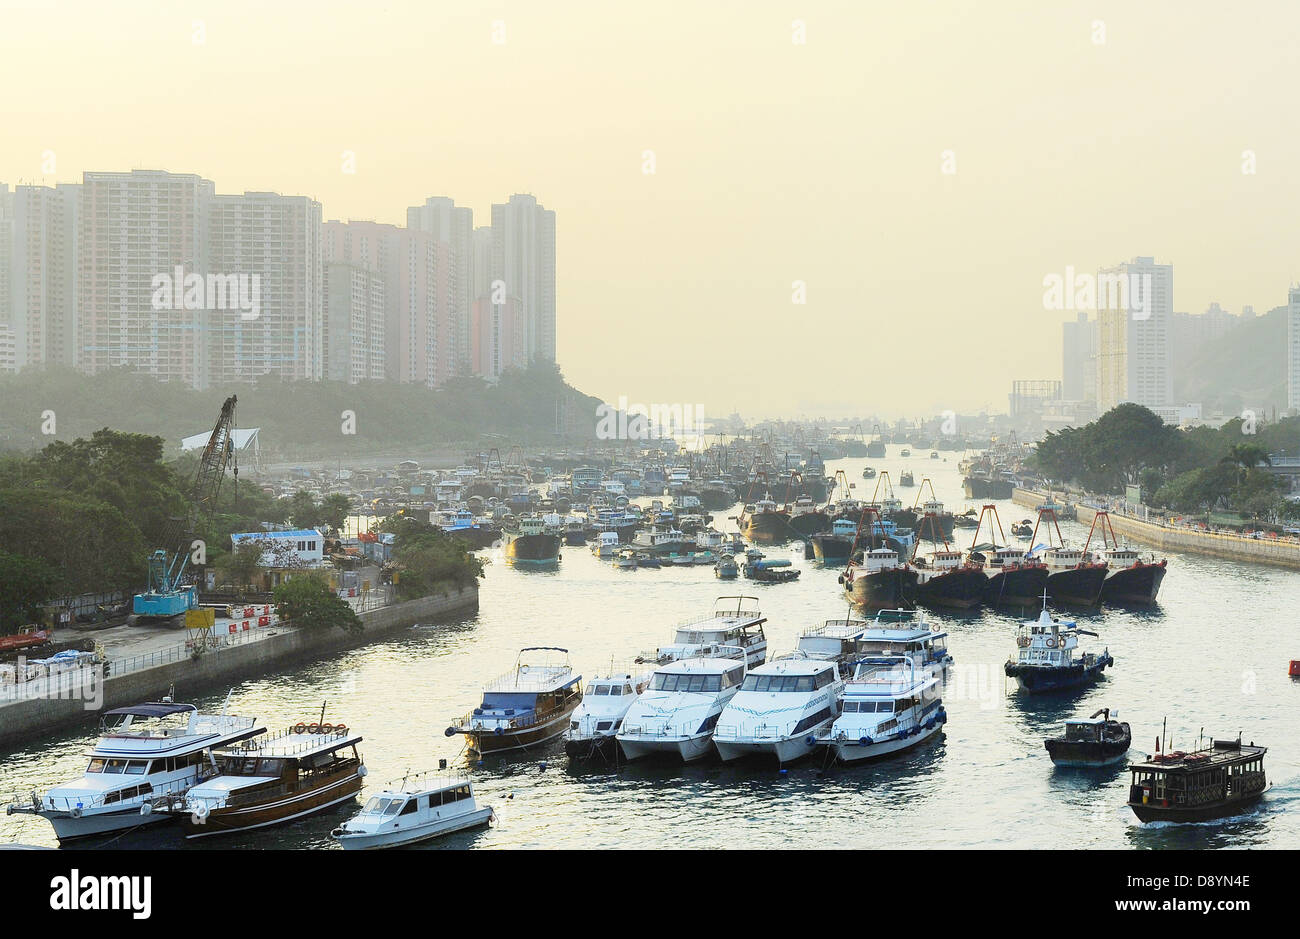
pixel 1079 359
pixel 133 227
pixel 523 256
pixel 1135 305
pixel 445 221
pixel 276 240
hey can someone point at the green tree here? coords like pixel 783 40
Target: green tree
pixel 428 559
pixel 26 584
pixel 334 510
pixel 303 510
pixel 244 563
pixel 92 544
pixel 308 602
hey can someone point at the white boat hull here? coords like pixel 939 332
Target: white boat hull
pixel 69 828
pixel 783 750
pixel 850 751
pixel 423 832
pixel 688 749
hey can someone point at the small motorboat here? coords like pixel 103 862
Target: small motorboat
pixel 626 560
pixel 1023 528
pixel 647 560
pixel 771 571
pixel 396 817
pixel 1099 740
pixel 868 473
pixel 726 568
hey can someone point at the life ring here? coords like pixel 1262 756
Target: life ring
pixel 300 728
pixel 340 729
pixel 1051 643
pixel 327 728
pixel 313 728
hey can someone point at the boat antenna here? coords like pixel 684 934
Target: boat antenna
pixel 322 712
pixel 1164 727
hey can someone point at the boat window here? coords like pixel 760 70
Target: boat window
pixel 822 679
pixel 602 689
pixel 627 689
pixel 136 767
pixel 376 806
pixel 393 806
pixel 269 767
pixel 115 766
pixel 412 805
pixel 96 766
pixel 850 707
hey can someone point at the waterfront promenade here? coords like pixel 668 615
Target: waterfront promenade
pixel 1170 534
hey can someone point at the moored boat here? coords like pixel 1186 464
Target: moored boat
pixel 525 707
pixel 1099 740
pixel 528 540
pixel 605 702
pixel 890 704
pixel 677 714
pixel 740 627
pixel 397 817
pixel 879 581
pixel 780 709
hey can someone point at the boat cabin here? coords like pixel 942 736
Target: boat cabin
pixel 1225 771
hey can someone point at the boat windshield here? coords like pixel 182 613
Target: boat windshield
pixel 868 707
pixel 688 683
pixel 783 682
pixel 381 806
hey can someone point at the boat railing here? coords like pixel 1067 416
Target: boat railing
pixel 763 731
pixel 172 787
pixel 531 678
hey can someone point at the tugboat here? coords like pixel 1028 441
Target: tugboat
pixel 600 715
pixel 524 707
pixel 1014 579
pixel 1072 577
pixel 1216 781
pixel 1099 740
pixel 528 540
pixel 1130 581
pixel 1045 659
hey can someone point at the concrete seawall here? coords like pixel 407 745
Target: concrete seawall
pixel 23 719
pixel 1172 538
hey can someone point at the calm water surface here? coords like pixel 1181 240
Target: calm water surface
pixel 1214 655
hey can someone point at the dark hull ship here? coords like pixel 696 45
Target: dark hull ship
pixel 1096 741
pixel 1077 586
pixel 959 588
pixel 808 524
pixel 530 542
pixel 1134 586
pixel 1017 586
pixel 888 589
pixel 833 549
pixel 717 498
pixel 986 487
pixel 1217 781
pixel 770 527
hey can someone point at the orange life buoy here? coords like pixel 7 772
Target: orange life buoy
pixel 340 728
pixel 299 728
pixel 327 728
pixel 313 728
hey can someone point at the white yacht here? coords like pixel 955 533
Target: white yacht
pixel 780 709
pixel 834 640
pixel 740 625
pixel 927 647
pixel 145 751
pixel 600 715
pixel 679 711
pixel 890 704
pixel 396 817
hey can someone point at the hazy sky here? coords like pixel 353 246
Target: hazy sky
pixel 775 162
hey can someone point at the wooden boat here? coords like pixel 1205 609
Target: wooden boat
pixel 527 706
pixel 1216 781
pixel 303 770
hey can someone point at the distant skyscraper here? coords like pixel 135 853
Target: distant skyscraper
pixel 1079 359
pixel 1293 349
pixel 441 218
pixel 416 271
pixel 42 281
pixel 6 249
pixel 523 256
pixel 278 239
pixel 498 337
pixel 354 327
pixel 1135 303
pixel 135 226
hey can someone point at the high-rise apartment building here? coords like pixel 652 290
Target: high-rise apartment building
pixel 135 227
pixel 42 281
pixel 1079 359
pixel 1293 349
pixel 353 332
pixel 444 221
pixel 1135 303
pixel 523 256
pixel 267 246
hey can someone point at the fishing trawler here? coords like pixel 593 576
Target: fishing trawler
pixel 677 714
pixel 528 540
pixel 1099 740
pixel 145 751
pixel 1014 579
pixel 806 519
pixel 525 707
pixel 1045 656
pixel 880 581
pixel 303 770
pixel 946 579
pixel 1130 581
pixel 765 523
pixel 1072 577
pixel 600 715
pixel 890 704
pixel 780 708
pixel 1215 781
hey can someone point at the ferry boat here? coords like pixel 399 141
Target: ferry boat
pixel 528 540
pixel 741 627
pixel 145 751
pixel 677 714
pixel 880 581
pixel 600 715
pixel 303 770
pixel 765 523
pixel 890 704
pixel 1045 656
pixel 525 707
pixel 1217 781
pixel 780 708
pixel 394 818
pixel 1099 740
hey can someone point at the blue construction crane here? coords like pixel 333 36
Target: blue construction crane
pixel 170 592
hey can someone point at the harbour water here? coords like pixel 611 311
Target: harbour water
pixel 1213 655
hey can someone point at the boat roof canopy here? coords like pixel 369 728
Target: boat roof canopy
pixel 150 709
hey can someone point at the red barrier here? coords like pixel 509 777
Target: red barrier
pixel 249 611
pixel 245 626
pixel 233 629
pixel 264 621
